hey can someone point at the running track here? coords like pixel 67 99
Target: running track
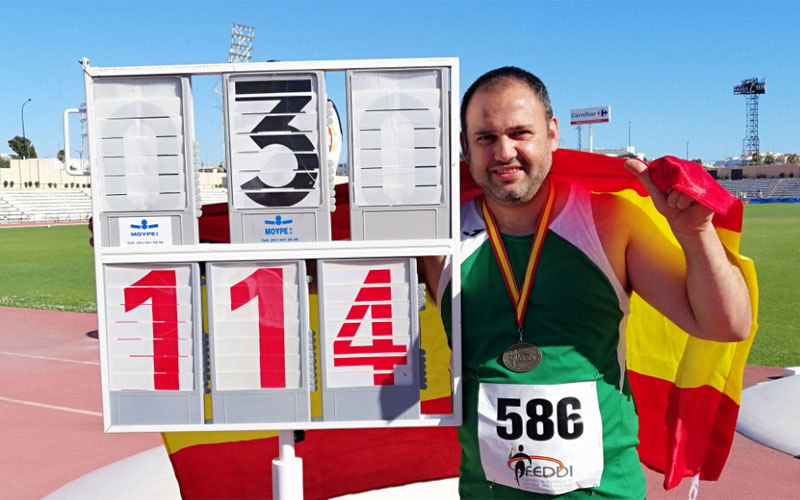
pixel 51 426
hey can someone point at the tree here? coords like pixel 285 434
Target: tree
pixel 755 159
pixel 22 147
pixel 5 163
pixel 698 161
pixel 792 158
pixel 61 157
pixel 769 159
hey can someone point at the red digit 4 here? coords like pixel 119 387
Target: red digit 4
pixel 384 354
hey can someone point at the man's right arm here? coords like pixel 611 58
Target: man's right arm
pixel 430 270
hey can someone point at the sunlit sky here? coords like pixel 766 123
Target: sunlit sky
pixel 667 69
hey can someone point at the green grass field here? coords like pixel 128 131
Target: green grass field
pixel 771 237
pixel 52 268
pixel 47 268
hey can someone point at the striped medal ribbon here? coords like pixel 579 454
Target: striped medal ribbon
pixel 521 356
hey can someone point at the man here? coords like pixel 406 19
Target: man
pixel 543 361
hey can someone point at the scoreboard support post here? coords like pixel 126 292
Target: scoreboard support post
pixel 287 470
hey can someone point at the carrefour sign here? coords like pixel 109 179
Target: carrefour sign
pixel 586 116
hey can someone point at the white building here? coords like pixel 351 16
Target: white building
pixel 625 151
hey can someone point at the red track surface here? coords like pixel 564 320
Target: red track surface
pixel 51 429
pixel 47 358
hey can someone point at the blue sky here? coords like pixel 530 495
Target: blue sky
pixel 668 68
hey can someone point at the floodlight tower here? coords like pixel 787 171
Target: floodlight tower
pixel 751 89
pixel 241 43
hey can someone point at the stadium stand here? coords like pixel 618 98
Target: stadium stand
pixel 9 214
pixel 209 196
pixel 786 188
pixel 50 205
pixel 23 205
pixel 763 188
pixel 750 187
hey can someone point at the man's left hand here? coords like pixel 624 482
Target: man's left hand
pixel 683 213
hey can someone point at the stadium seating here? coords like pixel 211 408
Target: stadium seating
pixel 763 188
pixel 44 205
pixel 58 205
pixel 209 196
pixel 10 214
pixel 786 188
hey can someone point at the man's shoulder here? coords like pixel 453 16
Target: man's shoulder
pixel 613 206
pixel 472 223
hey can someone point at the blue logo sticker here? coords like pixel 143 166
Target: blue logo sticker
pixel 279 221
pixel 144 225
pixel 276 232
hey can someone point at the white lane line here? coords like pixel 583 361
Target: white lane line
pixel 48 358
pixel 51 407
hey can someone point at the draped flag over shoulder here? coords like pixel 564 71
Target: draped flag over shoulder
pixel 687 390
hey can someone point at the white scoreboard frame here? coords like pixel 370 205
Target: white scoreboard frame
pixel 282 251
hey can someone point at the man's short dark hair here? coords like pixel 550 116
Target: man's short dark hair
pixel 504 76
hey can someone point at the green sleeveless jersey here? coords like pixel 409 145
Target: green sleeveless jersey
pixel 575 315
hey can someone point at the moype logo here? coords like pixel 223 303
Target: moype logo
pixel 278 230
pixel 144 225
pixel 146 229
pixel 274 226
pixel 523 466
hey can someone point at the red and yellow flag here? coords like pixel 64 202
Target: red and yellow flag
pixel 687 390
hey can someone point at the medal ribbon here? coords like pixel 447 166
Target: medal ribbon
pixel 520 297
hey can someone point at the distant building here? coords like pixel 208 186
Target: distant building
pixel 782 158
pixel 779 159
pixel 626 152
pixel 731 161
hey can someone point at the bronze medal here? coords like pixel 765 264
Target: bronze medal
pixel 522 357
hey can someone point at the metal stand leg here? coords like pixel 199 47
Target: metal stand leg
pixel 287 470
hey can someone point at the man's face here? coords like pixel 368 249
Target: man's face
pixel 508 142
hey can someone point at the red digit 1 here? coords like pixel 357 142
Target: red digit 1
pixel 160 287
pixel 381 327
pixel 266 285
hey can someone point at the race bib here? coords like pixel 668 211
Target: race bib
pixel 541 438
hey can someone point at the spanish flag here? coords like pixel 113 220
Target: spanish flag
pixel 687 391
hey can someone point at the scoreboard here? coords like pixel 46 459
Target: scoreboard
pixel 282 328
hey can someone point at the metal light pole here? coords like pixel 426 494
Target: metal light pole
pixel 629 135
pixel 24 142
pixel 687 150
